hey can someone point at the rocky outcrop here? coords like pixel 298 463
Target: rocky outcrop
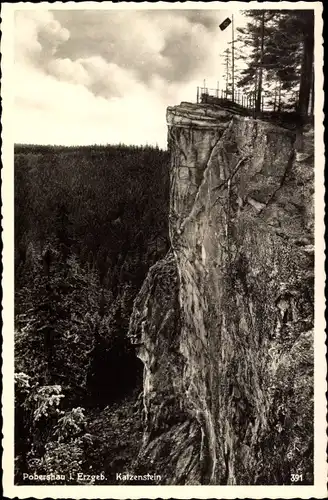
pixel 224 324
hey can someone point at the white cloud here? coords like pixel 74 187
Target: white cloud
pixel 67 70
pixel 37 32
pixel 102 77
pixel 67 113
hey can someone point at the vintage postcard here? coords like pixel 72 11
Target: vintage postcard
pixel 163 250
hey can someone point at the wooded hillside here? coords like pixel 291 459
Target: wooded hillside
pixel 89 222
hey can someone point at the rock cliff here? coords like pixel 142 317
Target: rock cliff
pixel 224 324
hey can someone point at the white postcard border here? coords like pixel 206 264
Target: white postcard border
pixel 319 489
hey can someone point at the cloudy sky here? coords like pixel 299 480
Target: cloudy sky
pixel 107 76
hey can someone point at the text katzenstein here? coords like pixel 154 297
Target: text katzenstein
pixel 120 476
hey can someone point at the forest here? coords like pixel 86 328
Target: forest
pixel 271 60
pixel 89 222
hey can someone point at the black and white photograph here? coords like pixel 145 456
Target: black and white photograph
pixel 162 204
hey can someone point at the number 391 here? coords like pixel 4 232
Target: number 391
pixel 295 478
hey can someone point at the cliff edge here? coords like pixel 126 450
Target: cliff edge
pixel 224 324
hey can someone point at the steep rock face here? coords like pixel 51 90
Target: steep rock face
pixel 171 436
pixel 224 324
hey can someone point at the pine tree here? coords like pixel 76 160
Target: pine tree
pixel 255 39
pixel 281 54
pixel 227 75
pixel 301 24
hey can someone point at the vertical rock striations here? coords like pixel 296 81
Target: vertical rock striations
pixel 224 324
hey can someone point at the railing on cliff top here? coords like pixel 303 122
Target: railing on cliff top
pixel 216 96
pixel 245 103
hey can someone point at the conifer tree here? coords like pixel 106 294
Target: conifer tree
pixel 280 45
